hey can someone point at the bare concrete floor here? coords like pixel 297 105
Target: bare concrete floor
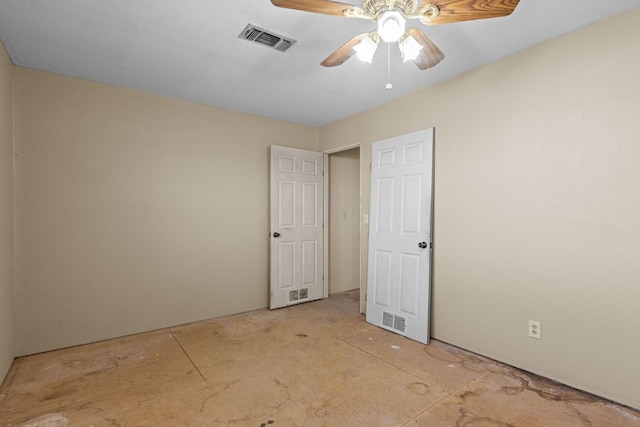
pixel 316 364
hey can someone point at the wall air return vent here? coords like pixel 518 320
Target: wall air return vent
pixel 266 38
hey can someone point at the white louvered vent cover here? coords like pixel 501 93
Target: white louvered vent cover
pixel 393 321
pixel 398 323
pixel 293 296
pixel 266 38
pixel 298 294
pixel 387 319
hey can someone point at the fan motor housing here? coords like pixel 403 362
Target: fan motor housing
pixel 376 7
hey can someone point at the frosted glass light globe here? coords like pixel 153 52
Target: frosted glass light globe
pixel 391 26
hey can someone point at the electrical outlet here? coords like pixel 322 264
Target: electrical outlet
pixel 534 329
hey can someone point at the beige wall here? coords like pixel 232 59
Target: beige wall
pixel 344 214
pixel 537 204
pixel 7 347
pixel 134 211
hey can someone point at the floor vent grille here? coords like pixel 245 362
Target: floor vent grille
pixel 266 38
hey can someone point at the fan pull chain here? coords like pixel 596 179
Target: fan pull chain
pixel 388 86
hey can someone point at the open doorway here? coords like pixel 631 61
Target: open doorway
pixel 344 220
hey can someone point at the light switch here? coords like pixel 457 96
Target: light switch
pixel 365 218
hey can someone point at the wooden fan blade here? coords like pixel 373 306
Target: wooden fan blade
pixel 320 6
pixel 343 53
pixel 429 55
pixel 467 10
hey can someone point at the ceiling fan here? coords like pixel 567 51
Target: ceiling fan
pixel 391 17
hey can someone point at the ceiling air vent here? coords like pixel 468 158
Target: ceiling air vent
pixel 266 38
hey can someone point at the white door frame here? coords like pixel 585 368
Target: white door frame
pixel 326 172
pixel 326 219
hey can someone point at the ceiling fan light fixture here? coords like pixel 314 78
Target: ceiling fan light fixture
pixel 390 17
pixel 391 25
pixel 409 48
pixel 366 48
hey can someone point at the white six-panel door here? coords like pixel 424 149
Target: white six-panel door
pixel 296 226
pixel 399 270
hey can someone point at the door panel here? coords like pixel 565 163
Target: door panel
pixel 399 284
pixel 286 204
pixel 382 278
pixel 296 226
pixel 409 283
pixel 310 198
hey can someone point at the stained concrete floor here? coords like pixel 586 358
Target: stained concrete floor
pixel 316 364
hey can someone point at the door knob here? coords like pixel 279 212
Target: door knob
pixel 276 234
pixel 422 245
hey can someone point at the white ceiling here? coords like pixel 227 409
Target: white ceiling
pixel 190 50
